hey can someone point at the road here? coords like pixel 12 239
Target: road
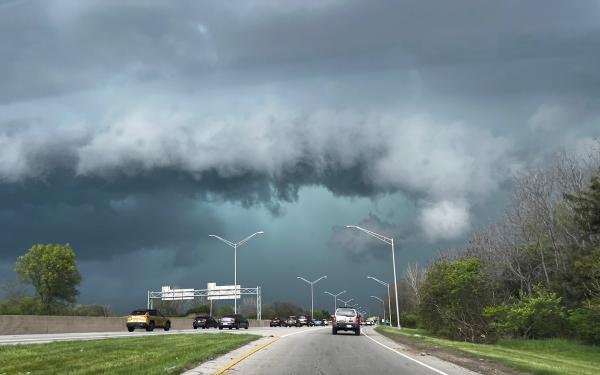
pixel 296 351
pixel 52 337
pixel 320 352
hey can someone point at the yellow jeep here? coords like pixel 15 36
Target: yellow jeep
pixel 148 319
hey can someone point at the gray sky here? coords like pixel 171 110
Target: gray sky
pixel 134 130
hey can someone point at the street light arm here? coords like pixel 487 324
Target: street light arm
pixel 378 299
pixel 249 237
pixel 333 295
pixel 319 279
pixel 378 281
pixel 222 239
pixel 380 237
pixel 303 279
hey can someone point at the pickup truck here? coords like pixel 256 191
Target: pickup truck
pixel 345 319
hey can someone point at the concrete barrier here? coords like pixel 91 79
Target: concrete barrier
pixel 36 324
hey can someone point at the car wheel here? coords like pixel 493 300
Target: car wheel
pixel 167 326
pixel 334 331
pixel 130 329
pixel 220 327
pixel 247 325
pixel 195 327
pixel 230 327
pixel 150 327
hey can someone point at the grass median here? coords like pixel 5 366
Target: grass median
pixel 547 357
pixel 161 354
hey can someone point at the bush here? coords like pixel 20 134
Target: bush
pixel 540 315
pixel 586 322
pixel 408 320
pixel 20 306
pixel 200 309
pixel 453 296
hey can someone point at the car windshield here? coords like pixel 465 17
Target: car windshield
pixel 346 312
pixel 139 312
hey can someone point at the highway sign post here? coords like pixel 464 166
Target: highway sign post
pixel 212 292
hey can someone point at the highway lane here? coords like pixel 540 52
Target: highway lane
pixel 320 352
pixel 52 337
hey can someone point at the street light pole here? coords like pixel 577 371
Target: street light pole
pixel 312 283
pixel 382 305
pixel 235 246
pixel 389 241
pixel 389 299
pixel 335 299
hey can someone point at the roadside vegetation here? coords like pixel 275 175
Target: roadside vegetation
pixel 533 275
pixel 548 357
pixel 164 354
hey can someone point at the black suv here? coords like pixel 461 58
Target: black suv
pixel 205 321
pixel 236 321
pixel 276 322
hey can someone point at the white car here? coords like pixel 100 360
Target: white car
pixel 345 319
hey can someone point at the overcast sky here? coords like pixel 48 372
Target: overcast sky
pixel 132 130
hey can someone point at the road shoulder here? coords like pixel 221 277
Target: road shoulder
pixel 214 365
pixel 424 351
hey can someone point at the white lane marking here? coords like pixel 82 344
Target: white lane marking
pixel 405 356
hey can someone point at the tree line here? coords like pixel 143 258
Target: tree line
pixel 533 274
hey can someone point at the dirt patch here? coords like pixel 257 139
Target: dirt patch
pixel 463 359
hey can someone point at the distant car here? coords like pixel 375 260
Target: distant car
pixel 236 321
pixel 291 321
pixel 302 321
pixel 147 319
pixel 345 319
pixel 318 322
pixel 275 322
pixel 205 321
pixel 325 322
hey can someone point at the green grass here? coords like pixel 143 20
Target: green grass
pixel 548 357
pixel 161 354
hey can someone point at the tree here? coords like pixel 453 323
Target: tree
pixel 52 270
pixel 453 296
pixel 225 310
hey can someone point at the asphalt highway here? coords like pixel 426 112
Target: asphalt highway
pixel 52 337
pixel 295 351
pixel 317 351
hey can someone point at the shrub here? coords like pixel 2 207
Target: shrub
pixel 408 320
pixel 200 309
pixel 539 315
pixel 453 296
pixel 586 321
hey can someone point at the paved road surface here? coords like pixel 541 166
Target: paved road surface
pixel 317 351
pixel 50 337
pixel 297 351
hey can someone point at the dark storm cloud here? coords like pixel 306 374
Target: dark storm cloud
pixel 64 46
pixel 127 126
pixel 360 245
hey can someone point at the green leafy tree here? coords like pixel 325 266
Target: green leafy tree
pixel 322 314
pixel 200 309
pixel 225 310
pixel 52 270
pixel 453 296
pixel 586 321
pixel 535 316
